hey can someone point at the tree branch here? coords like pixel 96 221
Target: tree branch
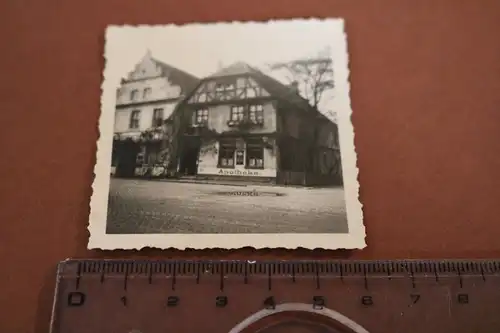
pixel 315 75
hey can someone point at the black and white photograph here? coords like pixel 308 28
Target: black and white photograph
pixel 226 135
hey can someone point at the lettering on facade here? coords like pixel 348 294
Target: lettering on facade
pixel 236 172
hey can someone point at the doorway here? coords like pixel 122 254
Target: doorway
pixel 190 154
pixel 239 157
pixel 126 158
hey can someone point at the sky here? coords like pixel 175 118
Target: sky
pixel 201 49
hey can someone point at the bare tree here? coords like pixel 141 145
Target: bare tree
pixel 313 75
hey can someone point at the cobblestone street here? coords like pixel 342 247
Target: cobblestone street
pixel 141 206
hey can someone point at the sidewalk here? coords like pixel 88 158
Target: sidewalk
pixel 240 183
pixel 205 181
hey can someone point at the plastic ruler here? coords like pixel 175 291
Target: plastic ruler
pixel 129 296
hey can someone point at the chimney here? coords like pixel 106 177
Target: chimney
pixel 294 86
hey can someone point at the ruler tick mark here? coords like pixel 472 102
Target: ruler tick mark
pixel 78 275
pixel 317 276
pixel 269 284
pixel 174 277
pixel 222 278
pixel 365 278
pixel 150 274
pixel 413 284
pixel 125 278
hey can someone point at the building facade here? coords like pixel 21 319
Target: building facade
pixel 143 129
pixel 242 124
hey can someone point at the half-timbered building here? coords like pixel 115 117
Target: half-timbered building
pixel 242 124
pixel 143 127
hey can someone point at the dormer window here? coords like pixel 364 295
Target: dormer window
pixel 146 93
pixel 134 94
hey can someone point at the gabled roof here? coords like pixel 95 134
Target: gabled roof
pixel 280 90
pixel 186 81
pixel 238 68
pixel 283 91
pixel 272 85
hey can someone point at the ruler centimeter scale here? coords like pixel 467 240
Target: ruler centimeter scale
pixel 129 296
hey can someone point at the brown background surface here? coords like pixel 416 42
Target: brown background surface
pixel 425 81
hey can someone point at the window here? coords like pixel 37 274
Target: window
pixel 220 87
pixel 134 119
pixel 226 154
pixel 202 98
pixel 256 114
pixel 133 94
pixel 251 92
pixel 157 117
pixel 146 93
pixel 225 90
pixel 140 158
pixel 253 114
pixel 255 154
pixel 237 113
pixel 201 117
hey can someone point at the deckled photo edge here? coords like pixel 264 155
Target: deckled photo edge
pixel 355 239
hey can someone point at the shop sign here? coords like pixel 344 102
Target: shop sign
pixel 236 172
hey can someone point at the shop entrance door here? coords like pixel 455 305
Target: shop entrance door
pixel 239 158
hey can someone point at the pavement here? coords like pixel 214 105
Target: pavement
pixel 144 206
pixel 228 182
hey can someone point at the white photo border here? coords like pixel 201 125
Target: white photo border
pixel 355 239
